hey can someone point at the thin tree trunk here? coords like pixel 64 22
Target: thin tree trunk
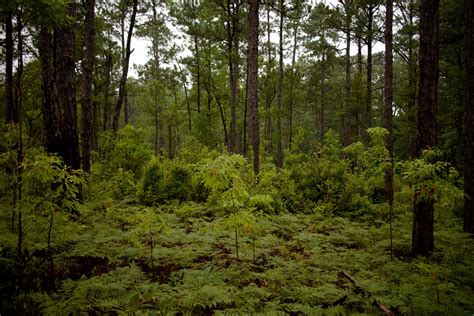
pixel 88 66
pixel 469 118
pixel 358 91
pixel 388 99
pixel 279 155
pixel 232 58
pixel 245 144
pixel 289 122
pixel 347 110
pixel 11 114
pixel 412 86
pixel 268 97
pixel 123 79
pixel 369 65
pixel 18 184
pixel 323 100
pixel 252 83
pixel 423 219
pixel 224 124
pixel 157 130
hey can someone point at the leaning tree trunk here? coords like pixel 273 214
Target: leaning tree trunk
pixel 252 83
pixel 469 119
pixel 89 52
pixel 126 61
pixel 423 217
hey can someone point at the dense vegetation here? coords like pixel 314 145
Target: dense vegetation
pixel 241 176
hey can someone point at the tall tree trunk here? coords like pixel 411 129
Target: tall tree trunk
pixel 252 83
pixel 412 86
pixel 268 90
pixel 88 66
pixel 347 110
pixel 423 218
pixel 126 61
pixel 18 106
pixel 289 122
pixel 469 118
pixel 11 114
pixel 323 99
pixel 232 50
pixel 245 143
pixel 67 142
pixel 358 92
pixel 370 35
pixel 388 99
pixel 279 154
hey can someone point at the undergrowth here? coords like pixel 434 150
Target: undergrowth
pixel 201 235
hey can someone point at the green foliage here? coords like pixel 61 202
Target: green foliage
pixel 127 149
pixel 430 178
pixel 223 177
pixel 166 181
pixel 49 184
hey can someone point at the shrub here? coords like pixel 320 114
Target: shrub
pixel 165 181
pixel 153 183
pixel 128 150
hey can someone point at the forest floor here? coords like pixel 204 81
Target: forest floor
pixel 136 259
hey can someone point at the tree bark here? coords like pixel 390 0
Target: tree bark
pixel 268 90
pixel 232 50
pixel 252 83
pixel 423 219
pixel 370 35
pixel 388 99
pixel 347 110
pixel 88 66
pixel 67 141
pixel 412 86
pixel 289 122
pixel 11 114
pixel 323 100
pixel 126 61
pixel 279 154
pixel 469 118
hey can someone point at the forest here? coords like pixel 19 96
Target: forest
pixel 235 157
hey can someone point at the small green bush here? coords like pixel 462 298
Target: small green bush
pixel 166 181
